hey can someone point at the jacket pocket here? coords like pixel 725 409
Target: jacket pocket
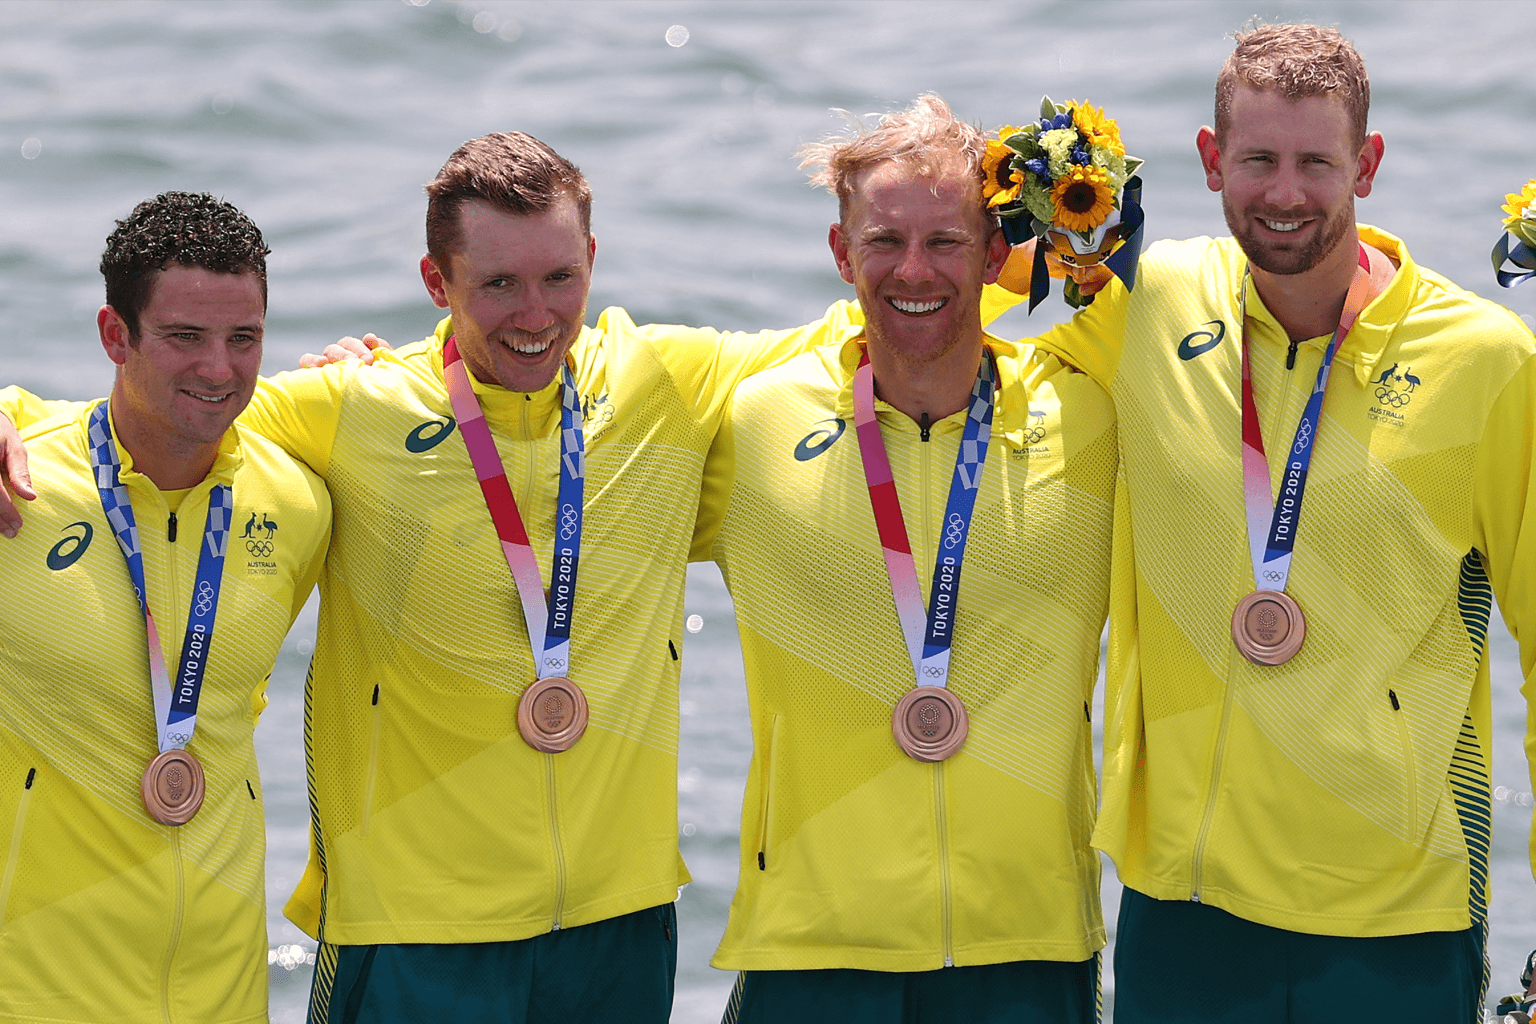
pixel 15 851
pixel 371 779
pixel 765 794
pixel 1411 783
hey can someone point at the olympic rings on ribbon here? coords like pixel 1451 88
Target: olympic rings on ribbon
pixel 954 530
pixel 568 522
pixel 205 597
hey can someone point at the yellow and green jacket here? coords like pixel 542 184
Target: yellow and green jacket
pixel 853 855
pixel 434 822
pixel 106 915
pixel 1345 792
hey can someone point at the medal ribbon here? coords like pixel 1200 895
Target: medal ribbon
pixel 1271 549
pixel 175 709
pixel 550 641
pixel 928 645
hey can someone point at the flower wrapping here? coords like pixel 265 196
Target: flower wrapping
pixel 1517 246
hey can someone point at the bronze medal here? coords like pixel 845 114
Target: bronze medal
pixel 552 714
pixel 1268 627
pixel 172 787
pixel 930 723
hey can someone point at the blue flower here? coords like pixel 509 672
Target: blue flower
pixel 1062 121
pixel 1079 155
pixel 1038 166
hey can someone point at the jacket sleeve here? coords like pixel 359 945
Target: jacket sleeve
pixel 299 410
pixel 1504 514
pixel 23 408
pixel 708 365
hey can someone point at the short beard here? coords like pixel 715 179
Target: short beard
pixel 1272 260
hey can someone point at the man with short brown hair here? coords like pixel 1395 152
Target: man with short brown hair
pixel 1296 774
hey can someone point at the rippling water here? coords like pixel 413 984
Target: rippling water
pixel 323 119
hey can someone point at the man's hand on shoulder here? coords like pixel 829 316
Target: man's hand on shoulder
pixel 347 348
pixel 15 479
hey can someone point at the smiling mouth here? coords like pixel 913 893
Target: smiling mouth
pixel 210 399
pixel 530 344
pixel 1282 226
pixel 914 308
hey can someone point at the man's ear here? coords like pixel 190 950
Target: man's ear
pixel 115 336
pixel 839 246
pixel 998 251
pixel 1210 157
pixel 1369 163
pixel 434 280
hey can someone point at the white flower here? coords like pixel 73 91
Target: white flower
pixel 1058 144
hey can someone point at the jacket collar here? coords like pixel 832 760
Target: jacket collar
pixel 1368 340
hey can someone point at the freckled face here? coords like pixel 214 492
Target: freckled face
pixel 918 251
pixel 517 288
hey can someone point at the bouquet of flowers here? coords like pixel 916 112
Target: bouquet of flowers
pixel 1067 180
pixel 1518 243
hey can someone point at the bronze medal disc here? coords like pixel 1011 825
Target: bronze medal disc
pixel 930 723
pixel 172 787
pixel 552 714
pixel 1268 627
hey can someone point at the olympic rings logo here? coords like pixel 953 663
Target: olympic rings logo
pixel 555 663
pixel 569 521
pixel 259 548
pixel 1303 437
pixel 954 530
pixel 933 672
pixel 1389 396
pixel 178 738
pixel 1034 435
pixel 205 596
pixel 1272 576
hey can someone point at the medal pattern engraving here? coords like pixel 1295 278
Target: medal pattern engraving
pixel 552 714
pixel 930 723
pixel 173 787
pixel 1268 627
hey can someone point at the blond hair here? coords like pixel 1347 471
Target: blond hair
pixel 1299 61
pixel 925 138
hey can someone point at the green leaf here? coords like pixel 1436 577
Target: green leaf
pixel 1132 165
pixel 1047 108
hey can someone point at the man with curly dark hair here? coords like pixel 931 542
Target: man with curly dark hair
pixel 130 805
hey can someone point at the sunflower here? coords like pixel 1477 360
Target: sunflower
pixel 1518 203
pixel 1098 129
pixel 1002 181
pixel 1083 198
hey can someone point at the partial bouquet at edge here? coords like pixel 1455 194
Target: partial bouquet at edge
pixel 1066 180
pixel 1517 245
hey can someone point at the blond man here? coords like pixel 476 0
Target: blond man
pixel 913 852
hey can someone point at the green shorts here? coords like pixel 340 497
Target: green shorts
pixel 1182 961
pixel 1023 992
pixel 615 970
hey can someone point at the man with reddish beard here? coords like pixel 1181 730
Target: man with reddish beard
pixel 1296 775
pixel 914 838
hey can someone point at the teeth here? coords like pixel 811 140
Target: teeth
pixel 211 399
pixel 1282 225
pixel 908 306
pixel 528 348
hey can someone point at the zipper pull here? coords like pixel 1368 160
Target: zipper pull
pixel 1290 357
pixel 170 529
pixel 923 425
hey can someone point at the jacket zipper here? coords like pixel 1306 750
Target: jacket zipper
pixel 176 923
pixel 765 812
pixel 1277 431
pixel 946 900
pixel 554 835
pixel 15 854
pixel 940 811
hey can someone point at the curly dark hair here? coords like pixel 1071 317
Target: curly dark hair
pixel 192 229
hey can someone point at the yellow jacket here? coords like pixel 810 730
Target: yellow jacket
pixel 433 820
pixel 104 914
pixel 1346 791
pixel 854 855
